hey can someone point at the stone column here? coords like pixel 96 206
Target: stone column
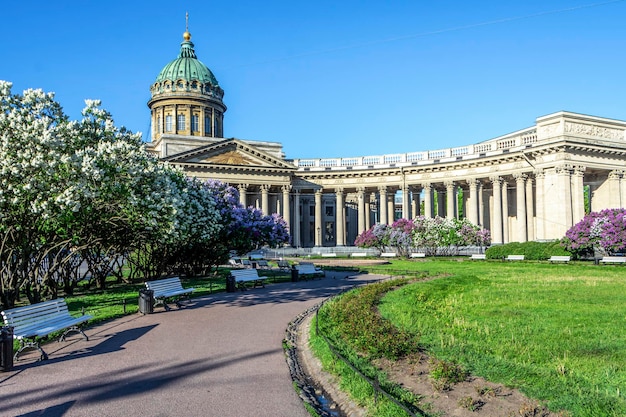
pixel 578 194
pixel 481 204
pixel 520 191
pixel 368 209
pixel 614 189
pixel 391 207
pixel 265 205
pixel 472 202
pixel 318 217
pixel 565 202
pixel 360 195
pixel 496 219
pixel 450 199
pixel 540 218
pixel 243 189
pixel 285 208
pixel 382 204
pixel 340 218
pixel 530 217
pixel 505 211
pixel 296 221
pixel 415 202
pixel 406 202
pixel 428 200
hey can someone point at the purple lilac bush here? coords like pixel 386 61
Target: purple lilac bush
pixel 603 232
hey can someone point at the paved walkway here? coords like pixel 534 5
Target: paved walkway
pixel 222 356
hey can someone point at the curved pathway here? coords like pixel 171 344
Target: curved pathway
pixel 222 355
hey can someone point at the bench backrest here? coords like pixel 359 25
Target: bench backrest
pixel 613 259
pixel 243 274
pixel 358 254
pixel 165 285
pixel 22 317
pixel 418 255
pixel 283 264
pixel 559 258
pixel 479 256
pixel 515 258
pixel 307 269
pixel 388 254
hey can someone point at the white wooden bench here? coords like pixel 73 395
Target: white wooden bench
pixel 38 320
pixel 262 264
pixel 283 266
pixel 559 258
pixel 243 276
pixel 613 259
pixel 329 255
pixel 478 256
pixel 388 255
pixel 308 269
pixel 418 255
pixel 358 254
pixel 167 288
pixel 515 258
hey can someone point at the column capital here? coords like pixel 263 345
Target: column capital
pixel 242 187
pixel 496 179
pixel 265 187
pixel 449 183
pixel 286 188
pixel 519 176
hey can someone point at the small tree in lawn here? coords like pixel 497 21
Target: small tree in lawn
pixel 601 232
pixel 376 236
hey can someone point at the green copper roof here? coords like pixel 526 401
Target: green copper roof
pixel 187 66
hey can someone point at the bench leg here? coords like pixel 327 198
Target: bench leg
pixel 73 329
pixel 31 344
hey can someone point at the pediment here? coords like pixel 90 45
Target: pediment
pixel 229 152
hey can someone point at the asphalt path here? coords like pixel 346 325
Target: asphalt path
pixel 220 355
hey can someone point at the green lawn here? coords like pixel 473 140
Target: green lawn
pixel 557 332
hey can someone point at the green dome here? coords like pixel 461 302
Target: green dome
pixel 187 67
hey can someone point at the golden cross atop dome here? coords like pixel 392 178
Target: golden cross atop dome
pixel 186 35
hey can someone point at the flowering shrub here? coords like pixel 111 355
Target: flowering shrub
pixel 88 190
pixel 430 234
pixel 604 232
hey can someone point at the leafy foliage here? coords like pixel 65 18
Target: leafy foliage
pixel 537 251
pixel 603 232
pixel 436 235
pixel 86 191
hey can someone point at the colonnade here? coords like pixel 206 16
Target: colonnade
pixel 520 206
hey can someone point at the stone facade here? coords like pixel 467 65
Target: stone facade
pixel 533 184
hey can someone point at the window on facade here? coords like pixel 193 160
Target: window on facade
pixel 218 131
pixel 195 123
pixel 207 125
pixel 181 122
pixel 160 125
pixel 312 211
pixel 329 211
pixel 168 123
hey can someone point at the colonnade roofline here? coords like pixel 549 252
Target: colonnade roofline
pixel 548 129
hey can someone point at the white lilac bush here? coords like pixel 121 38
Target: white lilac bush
pixel 88 190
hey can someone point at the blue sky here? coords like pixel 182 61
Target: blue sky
pixel 334 78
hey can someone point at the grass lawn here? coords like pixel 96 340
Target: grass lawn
pixel 556 332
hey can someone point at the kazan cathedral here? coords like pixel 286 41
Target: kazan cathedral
pixel 532 184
